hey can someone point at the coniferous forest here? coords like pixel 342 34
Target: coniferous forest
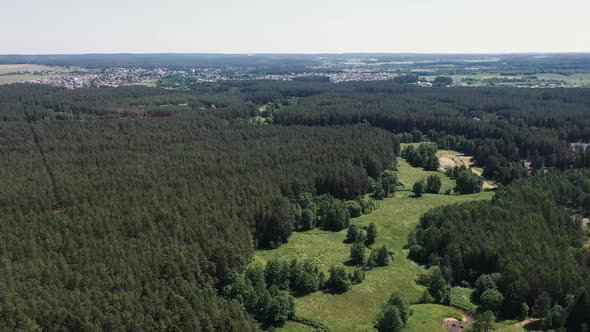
pixel 139 209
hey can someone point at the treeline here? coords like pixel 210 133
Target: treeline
pixel 500 127
pixel 511 132
pixel 131 224
pixel 425 156
pixel 524 249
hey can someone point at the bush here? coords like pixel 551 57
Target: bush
pixel 382 256
pixel 371 233
pixel 354 209
pixel 357 276
pixel 304 277
pixel 393 315
pixel 389 320
pixel 353 234
pixel 491 299
pixel 433 184
pixel 468 183
pixel 308 219
pixel 338 281
pixel 357 254
pixel 483 283
pixel 418 188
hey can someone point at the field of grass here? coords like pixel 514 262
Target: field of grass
pixel 573 79
pixel 429 317
pixel 461 298
pixel 510 329
pixel 10 74
pixel 295 327
pixel 323 247
pixel 10 79
pixel 357 309
pixel 150 83
pixel 409 175
pixel 6 69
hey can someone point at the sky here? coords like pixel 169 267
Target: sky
pixel 295 26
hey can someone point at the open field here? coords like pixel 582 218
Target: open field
pixel 409 175
pixel 429 317
pixel 461 298
pixel 11 79
pixel 357 309
pixel 450 158
pixel 577 79
pixel 10 74
pixel 150 83
pixel 7 69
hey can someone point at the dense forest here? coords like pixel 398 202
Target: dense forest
pixel 528 243
pixel 138 208
pixel 132 222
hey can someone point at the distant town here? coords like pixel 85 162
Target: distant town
pixel 182 73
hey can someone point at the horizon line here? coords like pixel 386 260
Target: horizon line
pixel 300 53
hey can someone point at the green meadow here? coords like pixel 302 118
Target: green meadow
pixel 357 309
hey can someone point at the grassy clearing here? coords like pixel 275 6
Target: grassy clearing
pixel 6 69
pixel 577 79
pixel 461 298
pixel 429 317
pixel 510 329
pixel 357 309
pixel 150 83
pixel 323 247
pixel 10 79
pixel 409 175
pixel 295 327
pixel 10 74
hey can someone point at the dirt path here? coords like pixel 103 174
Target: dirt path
pixel 526 321
pixel 58 205
pixel 449 159
pixel 452 324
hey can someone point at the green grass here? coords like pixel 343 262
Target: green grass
pixel 357 309
pixel 150 83
pixel 409 175
pixel 6 69
pixel 10 79
pixel 295 327
pixel 461 298
pixel 323 247
pixel 573 79
pixel 510 329
pixel 429 317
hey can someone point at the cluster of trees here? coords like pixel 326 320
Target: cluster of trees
pixel 425 156
pixel 393 315
pixel 524 249
pixel 442 81
pixel 139 203
pixel 437 287
pixel 499 127
pixel 340 281
pixel 134 221
pixel 384 186
pixel 467 181
pixel 361 239
pixel 261 291
pixel 432 185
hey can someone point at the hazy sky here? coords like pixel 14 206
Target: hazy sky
pixel 296 26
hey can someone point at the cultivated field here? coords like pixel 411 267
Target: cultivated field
pixel 18 73
pixel 20 68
